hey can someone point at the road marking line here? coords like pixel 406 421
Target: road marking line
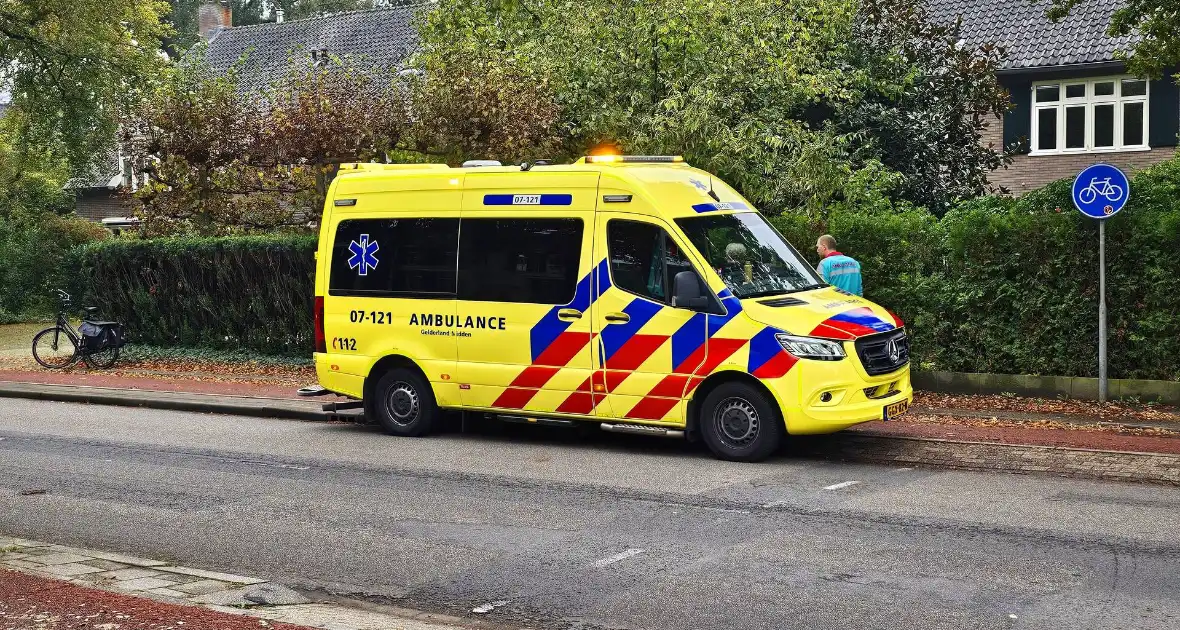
pixel 845 484
pixel 903 469
pixel 488 607
pixel 618 557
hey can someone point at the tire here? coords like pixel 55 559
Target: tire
pixel 740 424
pixel 103 360
pixel 47 355
pixel 402 403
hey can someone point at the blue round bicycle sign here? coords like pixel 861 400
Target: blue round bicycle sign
pixel 1100 191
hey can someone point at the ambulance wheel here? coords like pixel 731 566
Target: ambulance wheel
pixel 403 404
pixel 740 424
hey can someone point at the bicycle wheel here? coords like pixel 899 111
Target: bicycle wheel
pixel 55 348
pixel 103 359
pixel 1087 195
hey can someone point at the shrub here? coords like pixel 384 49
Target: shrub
pixel 227 293
pixel 997 285
pixel 35 260
pixel 1011 285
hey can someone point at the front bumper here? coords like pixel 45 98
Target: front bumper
pixel 828 396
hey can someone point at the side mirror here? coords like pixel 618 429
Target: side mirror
pixel 687 292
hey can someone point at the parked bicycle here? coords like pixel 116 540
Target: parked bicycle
pixel 96 343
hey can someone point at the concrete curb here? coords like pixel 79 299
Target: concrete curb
pixel 1156 468
pixel 172 401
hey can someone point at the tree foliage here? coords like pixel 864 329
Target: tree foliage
pixel 36 235
pixel 1157 22
pixel 220 158
pixel 73 65
pixel 31 177
pixel 789 100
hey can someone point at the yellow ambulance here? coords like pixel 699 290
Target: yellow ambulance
pixel 635 292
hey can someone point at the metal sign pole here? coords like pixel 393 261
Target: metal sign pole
pixel 1102 384
pixel 1100 191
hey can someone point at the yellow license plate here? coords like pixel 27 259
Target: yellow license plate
pixel 896 409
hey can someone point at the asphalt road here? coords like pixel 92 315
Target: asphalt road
pixel 606 531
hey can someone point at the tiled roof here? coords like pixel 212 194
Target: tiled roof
pixel 1030 38
pixel 380 38
pixel 99 173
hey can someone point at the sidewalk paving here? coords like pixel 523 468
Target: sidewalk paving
pixel 52 587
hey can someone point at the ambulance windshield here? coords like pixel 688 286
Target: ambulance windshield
pixel 749 255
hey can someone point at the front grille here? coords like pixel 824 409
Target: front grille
pixel 875 352
pixel 881 391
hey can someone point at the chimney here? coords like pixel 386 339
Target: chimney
pixel 213 16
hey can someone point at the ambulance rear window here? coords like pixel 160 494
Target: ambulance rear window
pixel 395 258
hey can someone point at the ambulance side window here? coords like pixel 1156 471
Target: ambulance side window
pixel 644 259
pixel 531 261
pixel 395 258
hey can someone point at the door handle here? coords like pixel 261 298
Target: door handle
pixel 618 318
pixel 569 314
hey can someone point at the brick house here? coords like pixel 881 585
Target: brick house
pixel 383 38
pixel 1073 104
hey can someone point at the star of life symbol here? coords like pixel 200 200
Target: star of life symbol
pixel 364 255
pixel 699 184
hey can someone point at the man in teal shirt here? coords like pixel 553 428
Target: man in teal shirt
pixel 838 270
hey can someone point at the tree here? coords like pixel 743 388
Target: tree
pixel 928 123
pixel 1157 22
pixel 31 177
pixel 469 103
pixel 223 160
pixel 73 65
pixel 798 103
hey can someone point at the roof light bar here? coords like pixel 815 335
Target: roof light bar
pixel 634 159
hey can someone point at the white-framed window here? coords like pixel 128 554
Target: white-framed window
pixel 1089 115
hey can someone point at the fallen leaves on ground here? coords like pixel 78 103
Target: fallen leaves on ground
pixel 248 372
pixel 1093 409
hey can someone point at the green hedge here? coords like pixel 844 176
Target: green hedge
pixel 1011 286
pixel 252 292
pixel 997 285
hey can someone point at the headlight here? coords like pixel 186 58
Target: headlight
pixel 811 348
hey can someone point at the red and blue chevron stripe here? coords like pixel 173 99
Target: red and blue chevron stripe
pixel 855 323
pixel 552 345
pixel 692 359
pixel 768 359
